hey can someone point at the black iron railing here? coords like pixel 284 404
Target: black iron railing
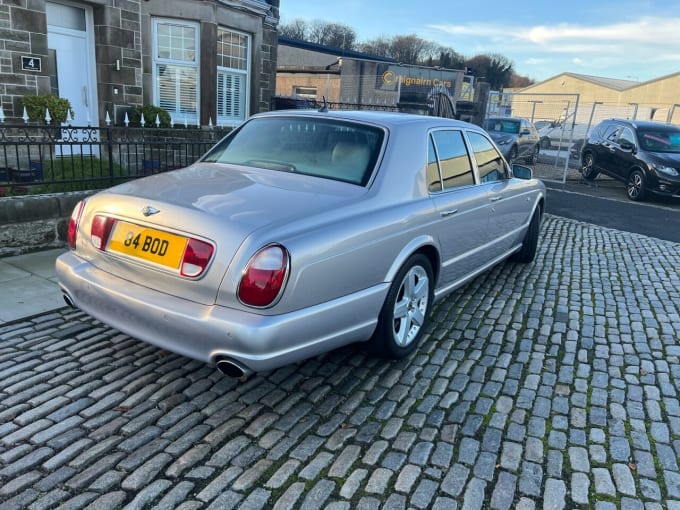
pixel 42 159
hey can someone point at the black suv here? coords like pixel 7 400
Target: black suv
pixel 643 154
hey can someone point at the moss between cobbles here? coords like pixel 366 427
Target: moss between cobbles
pixel 661 480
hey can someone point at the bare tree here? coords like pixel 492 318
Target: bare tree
pixel 296 29
pixel 381 46
pixel 332 34
pixel 519 81
pixel 446 57
pixel 410 49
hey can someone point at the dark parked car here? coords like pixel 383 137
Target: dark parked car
pixel 517 138
pixel 643 154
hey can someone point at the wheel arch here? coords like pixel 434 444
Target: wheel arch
pixel 425 245
pixel 636 167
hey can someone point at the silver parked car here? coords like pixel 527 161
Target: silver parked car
pixel 516 137
pixel 301 232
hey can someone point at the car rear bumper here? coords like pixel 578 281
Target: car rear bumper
pixel 209 333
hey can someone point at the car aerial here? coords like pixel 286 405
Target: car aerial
pixel 516 137
pixel 645 155
pixel 299 232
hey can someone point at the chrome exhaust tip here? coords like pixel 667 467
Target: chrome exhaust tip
pixel 232 368
pixel 68 300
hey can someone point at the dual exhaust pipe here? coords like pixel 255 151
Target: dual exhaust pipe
pixel 228 367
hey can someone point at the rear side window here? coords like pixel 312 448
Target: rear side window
pixel 454 162
pixel 434 181
pixel 489 161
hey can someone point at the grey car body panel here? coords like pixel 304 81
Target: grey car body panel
pixel 346 243
pixel 524 143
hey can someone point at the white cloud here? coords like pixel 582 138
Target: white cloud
pixel 643 45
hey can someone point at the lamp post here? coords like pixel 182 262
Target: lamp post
pixel 533 109
pixel 670 113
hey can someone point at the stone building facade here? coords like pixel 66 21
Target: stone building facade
pixel 200 60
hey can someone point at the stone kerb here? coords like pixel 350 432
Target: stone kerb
pixel 36 222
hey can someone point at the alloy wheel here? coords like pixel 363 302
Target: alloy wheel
pixel 410 306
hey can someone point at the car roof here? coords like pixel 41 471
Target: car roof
pixel 506 118
pixel 645 124
pixel 385 119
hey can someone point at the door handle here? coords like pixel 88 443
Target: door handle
pixel 85 102
pixel 495 199
pixel 449 212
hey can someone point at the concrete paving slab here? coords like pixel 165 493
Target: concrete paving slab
pixel 28 285
pixel 39 263
pixel 8 272
pixel 28 296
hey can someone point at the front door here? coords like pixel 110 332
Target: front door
pixel 70 45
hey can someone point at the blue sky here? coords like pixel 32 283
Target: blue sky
pixel 634 40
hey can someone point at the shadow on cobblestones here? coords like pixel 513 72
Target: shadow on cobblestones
pixel 553 385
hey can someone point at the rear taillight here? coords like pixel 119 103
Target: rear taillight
pixel 100 231
pixel 72 232
pixel 264 277
pixel 197 254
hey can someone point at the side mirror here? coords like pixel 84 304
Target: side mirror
pixel 522 172
pixel 627 146
pixel 525 131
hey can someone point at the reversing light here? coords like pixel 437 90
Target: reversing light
pixel 264 276
pixel 100 231
pixel 197 254
pixel 72 231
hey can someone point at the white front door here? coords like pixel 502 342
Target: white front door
pixel 71 49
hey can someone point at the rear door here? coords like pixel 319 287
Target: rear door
pixel 604 151
pixel 622 153
pixel 461 206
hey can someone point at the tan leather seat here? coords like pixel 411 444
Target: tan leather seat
pixel 352 159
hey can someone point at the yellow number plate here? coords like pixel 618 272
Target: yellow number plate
pixel 148 244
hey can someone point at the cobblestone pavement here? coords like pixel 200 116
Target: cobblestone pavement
pixel 553 385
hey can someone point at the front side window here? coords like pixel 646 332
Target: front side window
pixel 614 135
pixel 176 61
pixel 233 64
pixel 454 162
pixel 489 161
pixel 627 136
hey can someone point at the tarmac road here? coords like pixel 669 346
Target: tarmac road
pixel 605 203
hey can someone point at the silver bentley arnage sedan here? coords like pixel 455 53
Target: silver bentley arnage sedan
pixel 300 232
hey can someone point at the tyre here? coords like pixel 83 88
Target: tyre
pixel 527 252
pixel 406 310
pixel 588 167
pixel 533 157
pixel 512 155
pixel 635 187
